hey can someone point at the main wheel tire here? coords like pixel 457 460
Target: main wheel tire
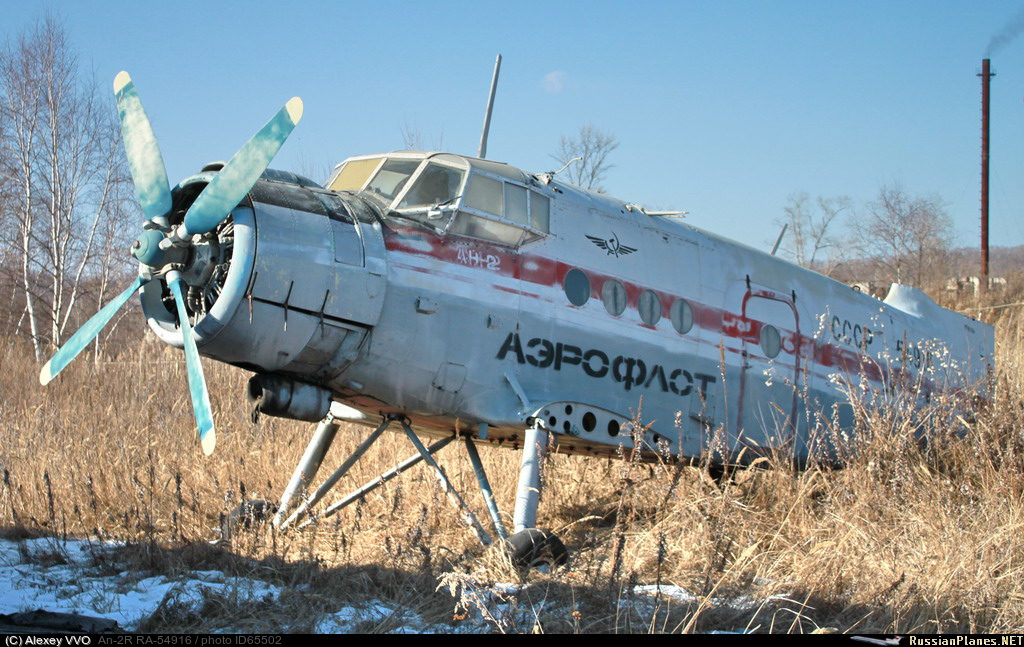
pixel 533 548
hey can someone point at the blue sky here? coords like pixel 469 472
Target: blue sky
pixel 723 109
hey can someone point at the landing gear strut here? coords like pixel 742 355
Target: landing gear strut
pixel 529 546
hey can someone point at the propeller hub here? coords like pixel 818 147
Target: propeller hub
pixel 147 248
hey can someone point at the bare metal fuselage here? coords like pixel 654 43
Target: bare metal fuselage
pixel 613 316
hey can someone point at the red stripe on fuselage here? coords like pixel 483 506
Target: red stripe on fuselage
pixel 549 272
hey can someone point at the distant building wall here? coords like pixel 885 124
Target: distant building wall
pixel 972 284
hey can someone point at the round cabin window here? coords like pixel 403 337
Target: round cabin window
pixel 577 287
pixel 771 341
pixel 650 307
pixel 613 295
pixel 682 316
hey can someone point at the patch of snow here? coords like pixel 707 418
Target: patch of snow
pixel 676 593
pixel 679 594
pixel 61 576
pixel 64 576
pixel 75 576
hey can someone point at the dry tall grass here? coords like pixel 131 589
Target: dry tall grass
pixel 903 539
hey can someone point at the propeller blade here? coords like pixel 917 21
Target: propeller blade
pixel 229 186
pixel 84 335
pixel 196 381
pixel 144 158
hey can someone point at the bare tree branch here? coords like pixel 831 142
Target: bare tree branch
pixel 64 178
pixel 412 138
pixel 18 67
pixel 810 236
pixel 908 238
pixel 594 146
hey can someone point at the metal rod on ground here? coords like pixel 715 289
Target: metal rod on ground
pixel 382 479
pixel 338 473
pixel 1003 305
pixel 308 466
pixel 485 488
pixel 449 489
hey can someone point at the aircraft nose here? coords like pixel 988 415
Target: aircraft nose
pixel 298 276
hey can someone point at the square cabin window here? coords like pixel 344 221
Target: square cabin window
pixel 467 224
pixel 515 205
pixel 540 211
pixel 485 195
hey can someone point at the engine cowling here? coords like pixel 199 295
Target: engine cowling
pixel 289 283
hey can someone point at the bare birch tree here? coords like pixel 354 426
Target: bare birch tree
pixel 18 68
pixel 67 175
pixel 908 238
pixel 593 146
pixel 810 231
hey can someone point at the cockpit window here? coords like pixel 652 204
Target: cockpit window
pixel 436 185
pixel 391 178
pixel 515 204
pixel 484 194
pixel 451 195
pixel 354 174
pixel 540 211
pixel 467 224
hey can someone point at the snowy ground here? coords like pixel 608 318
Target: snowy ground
pixel 77 576
pixel 67 577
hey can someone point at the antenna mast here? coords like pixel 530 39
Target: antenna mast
pixel 482 151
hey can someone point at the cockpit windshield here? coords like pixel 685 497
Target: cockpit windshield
pixel 437 185
pixel 391 178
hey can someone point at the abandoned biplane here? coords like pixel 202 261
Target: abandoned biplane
pixel 462 298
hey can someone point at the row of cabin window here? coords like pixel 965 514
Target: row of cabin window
pixel 487 198
pixel 613 296
pixel 486 194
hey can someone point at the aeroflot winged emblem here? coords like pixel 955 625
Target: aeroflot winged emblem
pixel 611 245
